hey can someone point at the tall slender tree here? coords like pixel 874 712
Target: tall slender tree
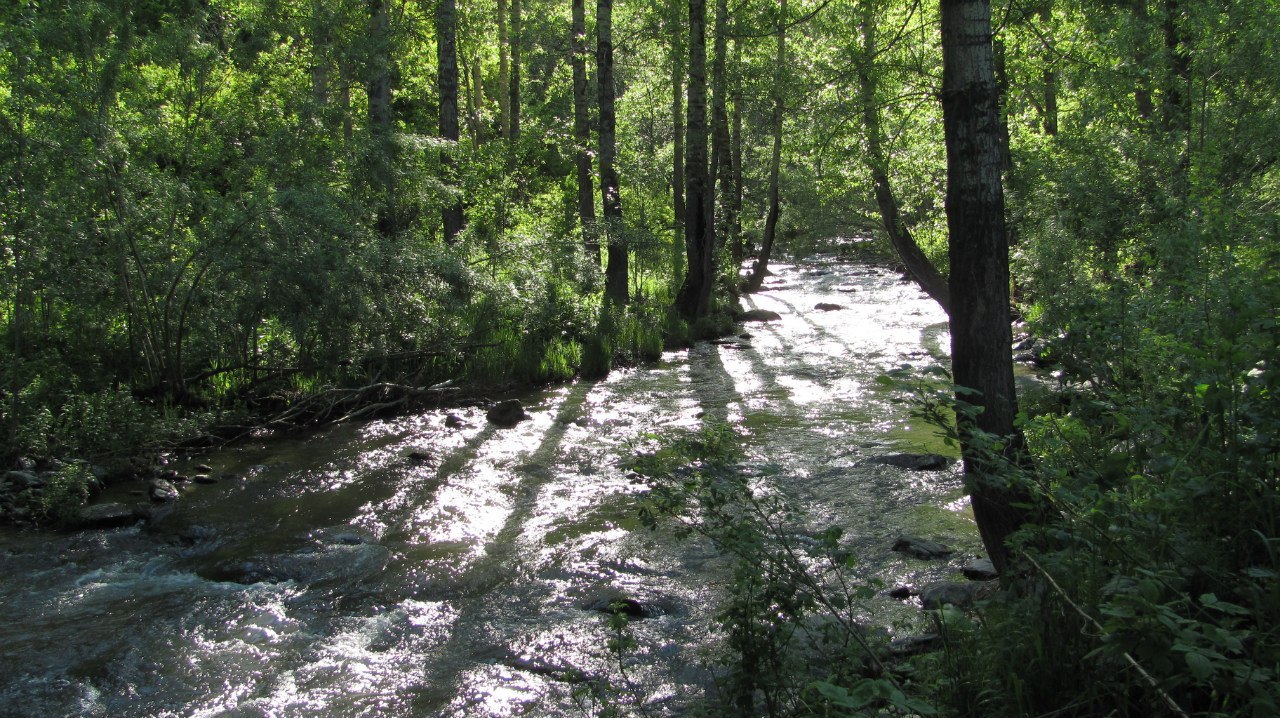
pixel 675 11
pixel 582 130
pixel 616 272
pixel 774 211
pixel 721 170
pixel 517 46
pixel 504 71
pixel 447 84
pixel 694 298
pixel 979 254
pixel 382 152
pixel 925 274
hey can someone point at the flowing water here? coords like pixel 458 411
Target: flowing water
pixel 405 568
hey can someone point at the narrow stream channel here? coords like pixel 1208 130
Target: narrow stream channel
pixel 404 568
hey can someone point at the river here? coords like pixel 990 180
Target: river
pixel 402 567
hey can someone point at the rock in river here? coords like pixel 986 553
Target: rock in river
pixel 920 548
pixel 106 516
pixel 760 315
pixel 827 307
pixel 162 491
pixel 507 413
pixel 910 462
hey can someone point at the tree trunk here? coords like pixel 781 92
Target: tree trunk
pixel 1142 91
pixel 1050 78
pixel 517 43
pixel 720 161
pixel 979 252
pixel 918 265
pixel 735 162
pixel 504 72
pixel 382 160
pixel 694 298
pixel 447 81
pixel 677 133
pixel 611 201
pixel 761 266
pixel 582 131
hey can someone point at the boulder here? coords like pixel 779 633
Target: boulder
pixel 901 592
pixel 23 479
pixel 980 569
pixel 204 479
pixel 960 595
pixel 760 315
pixel 106 516
pixel 910 462
pixel 507 413
pixel 161 491
pixel 827 307
pixel 203 469
pixel 453 421
pixel 614 603
pixel 920 548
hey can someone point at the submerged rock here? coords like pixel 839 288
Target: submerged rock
pixel 901 592
pixel 507 413
pixel 910 462
pixel 453 421
pixel 330 563
pixel 920 548
pixel 106 516
pixel 204 479
pixel 612 602
pixel 760 315
pixel 827 307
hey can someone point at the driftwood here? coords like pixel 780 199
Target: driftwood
pixel 336 405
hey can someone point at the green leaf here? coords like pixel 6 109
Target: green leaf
pixel 1199 665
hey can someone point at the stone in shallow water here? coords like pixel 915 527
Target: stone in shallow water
pixel 827 307
pixel 106 516
pixel 910 462
pixel 507 413
pixel 920 548
pixel 760 315
pixel 162 491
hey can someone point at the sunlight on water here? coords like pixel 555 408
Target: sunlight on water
pixel 402 567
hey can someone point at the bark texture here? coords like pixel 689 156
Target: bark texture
pixel 582 131
pixel 615 281
pixel 979 252
pixel 447 81
pixel 694 299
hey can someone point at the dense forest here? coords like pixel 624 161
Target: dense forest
pixel 213 212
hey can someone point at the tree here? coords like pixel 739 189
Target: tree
pixel 925 274
pixel 382 151
pixel 694 298
pixel 447 82
pixel 582 131
pixel 979 254
pixel 611 200
pixel 677 114
pixel 774 210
